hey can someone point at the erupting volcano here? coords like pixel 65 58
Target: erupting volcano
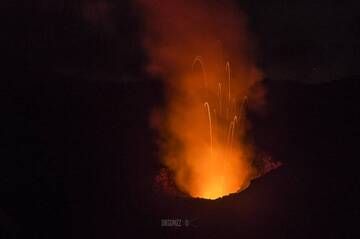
pixel 215 162
pixel 203 54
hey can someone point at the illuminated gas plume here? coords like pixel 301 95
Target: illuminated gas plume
pixel 203 54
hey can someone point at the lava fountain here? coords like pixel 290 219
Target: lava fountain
pixel 202 129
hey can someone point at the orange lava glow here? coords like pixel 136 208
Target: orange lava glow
pixel 203 54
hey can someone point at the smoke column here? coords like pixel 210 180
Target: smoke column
pixel 202 51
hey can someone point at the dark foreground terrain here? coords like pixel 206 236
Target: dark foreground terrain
pixel 78 160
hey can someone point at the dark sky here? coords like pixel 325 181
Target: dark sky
pixel 309 41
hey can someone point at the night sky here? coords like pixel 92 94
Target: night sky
pixel 310 41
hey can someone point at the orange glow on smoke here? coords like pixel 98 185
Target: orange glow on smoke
pixel 203 125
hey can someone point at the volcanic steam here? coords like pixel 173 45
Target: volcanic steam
pixel 203 54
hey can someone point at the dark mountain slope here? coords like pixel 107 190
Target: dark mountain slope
pixel 79 160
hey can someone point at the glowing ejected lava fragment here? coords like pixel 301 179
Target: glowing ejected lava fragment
pixel 213 161
pixel 202 131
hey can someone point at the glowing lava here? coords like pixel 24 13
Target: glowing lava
pixel 203 128
pixel 213 161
